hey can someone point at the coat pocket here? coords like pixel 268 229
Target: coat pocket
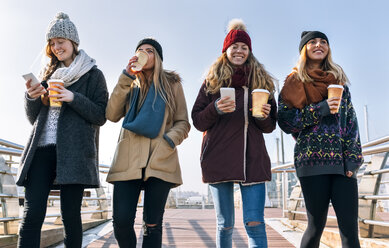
pixel 121 159
pixel 164 157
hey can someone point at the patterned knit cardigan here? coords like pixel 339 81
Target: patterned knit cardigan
pixel 325 143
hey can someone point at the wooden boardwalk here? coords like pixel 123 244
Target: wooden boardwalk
pixel 196 228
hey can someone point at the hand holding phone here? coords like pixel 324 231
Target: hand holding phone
pixel 34 91
pixel 226 106
pixel 31 76
pixel 224 91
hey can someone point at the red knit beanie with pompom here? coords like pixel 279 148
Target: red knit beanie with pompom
pixel 237 33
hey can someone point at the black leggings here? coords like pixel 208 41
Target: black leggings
pixel 343 193
pixel 125 201
pixel 40 178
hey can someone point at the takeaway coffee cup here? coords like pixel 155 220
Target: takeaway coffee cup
pixel 142 60
pixel 260 97
pixel 53 83
pixel 335 90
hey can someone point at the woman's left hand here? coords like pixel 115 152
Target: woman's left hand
pixel 349 173
pixel 63 95
pixel 266 110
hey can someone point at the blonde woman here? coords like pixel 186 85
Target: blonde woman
pixel 328 150
pixel 233 148
pixel 156 121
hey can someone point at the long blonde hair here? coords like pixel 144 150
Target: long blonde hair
pixel 327 65
pixel 220 74
pixel 54 62
pixel 163 81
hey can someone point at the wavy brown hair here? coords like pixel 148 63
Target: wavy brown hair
pixel 220 74
pixel 54 62
pixel 327 65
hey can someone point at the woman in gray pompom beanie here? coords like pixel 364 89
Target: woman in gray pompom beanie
pixel 62 27
pixel 66 159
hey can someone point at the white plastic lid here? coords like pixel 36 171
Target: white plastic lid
pixel 261 90
pixel 54 81
pixel 335 86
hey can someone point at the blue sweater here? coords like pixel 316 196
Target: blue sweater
pixel 325 143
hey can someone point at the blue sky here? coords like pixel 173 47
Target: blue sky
pixel 192 34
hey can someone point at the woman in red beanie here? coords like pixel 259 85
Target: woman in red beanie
pixel 233 148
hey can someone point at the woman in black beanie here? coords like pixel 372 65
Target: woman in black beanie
pixel 153 105
pixel 328 150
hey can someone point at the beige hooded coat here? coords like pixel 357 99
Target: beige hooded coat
pixel 135 152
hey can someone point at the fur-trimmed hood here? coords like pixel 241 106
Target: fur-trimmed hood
pixel 173 77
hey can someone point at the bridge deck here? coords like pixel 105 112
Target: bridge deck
pixel 196 228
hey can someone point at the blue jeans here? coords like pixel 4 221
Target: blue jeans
pixel 253 201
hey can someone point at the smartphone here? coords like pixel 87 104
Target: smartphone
pixel 31 76
pixel 224 91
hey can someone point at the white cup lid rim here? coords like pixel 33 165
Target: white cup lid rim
pixel 261 90
pixel 55 80
pixel 335 86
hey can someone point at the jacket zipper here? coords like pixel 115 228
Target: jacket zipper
pixel 205 148
pixel 246 124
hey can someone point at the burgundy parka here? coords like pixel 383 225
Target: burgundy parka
pixel 233 147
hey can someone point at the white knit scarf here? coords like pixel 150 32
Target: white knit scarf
pixel 80 65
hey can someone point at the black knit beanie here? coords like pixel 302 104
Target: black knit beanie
pixel 152 42
pixel 309 35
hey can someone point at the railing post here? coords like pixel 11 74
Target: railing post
pixel 278 188
pixel 103 205
pixel 369 185
pixel 284 192
pixel 9 205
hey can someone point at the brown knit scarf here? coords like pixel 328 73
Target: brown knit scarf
pixel 297 94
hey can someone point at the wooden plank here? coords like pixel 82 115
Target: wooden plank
pixel 196 228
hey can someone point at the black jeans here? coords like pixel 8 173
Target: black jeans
pixel 40 178
pixel 343 193
pixel 125 201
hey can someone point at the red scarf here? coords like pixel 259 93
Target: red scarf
pixel 297 94
pixel 240 77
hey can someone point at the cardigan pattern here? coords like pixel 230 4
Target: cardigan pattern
pixel 325 143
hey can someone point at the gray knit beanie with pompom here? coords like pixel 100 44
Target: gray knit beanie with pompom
pixel 62 27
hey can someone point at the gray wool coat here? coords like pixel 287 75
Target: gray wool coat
pixel 78 132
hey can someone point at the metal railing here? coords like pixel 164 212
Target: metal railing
pixel 369 185
pixel 9 197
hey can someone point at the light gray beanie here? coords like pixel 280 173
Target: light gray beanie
pixel 62 27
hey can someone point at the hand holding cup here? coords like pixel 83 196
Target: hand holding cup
pixel 333 104
pixel 260 107
pixel 335 92
pixel 131 64
pixel 266 108
pixel 58 93
pixel 137 62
